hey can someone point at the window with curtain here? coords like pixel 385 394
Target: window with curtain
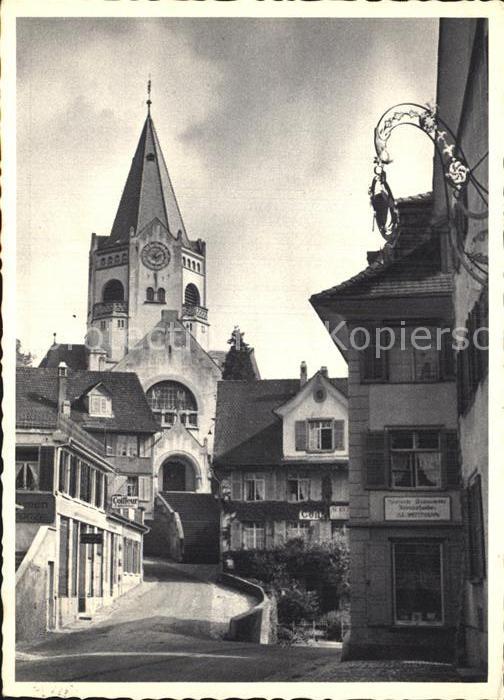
pixel 254 488
pixel 298 489
pixel 27 476
pixel 415 459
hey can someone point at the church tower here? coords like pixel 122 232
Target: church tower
pixel 146 265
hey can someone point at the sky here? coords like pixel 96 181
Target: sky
pixel 266 126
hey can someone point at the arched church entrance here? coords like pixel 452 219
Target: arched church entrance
pixel 177 474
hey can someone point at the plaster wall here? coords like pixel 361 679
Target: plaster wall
pixel 412 404
pixel 309 408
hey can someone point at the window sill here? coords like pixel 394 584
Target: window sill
pixel 401 626
pixel 156 303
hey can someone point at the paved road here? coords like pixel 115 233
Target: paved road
pixel 168 629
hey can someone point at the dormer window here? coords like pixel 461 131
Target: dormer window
pixel 100 405
pixel 321 435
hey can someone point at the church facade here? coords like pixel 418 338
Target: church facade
pixel 147 314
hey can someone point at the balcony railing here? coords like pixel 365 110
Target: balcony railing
pixel 195 311
pixel 110 308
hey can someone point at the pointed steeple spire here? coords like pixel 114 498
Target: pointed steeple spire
pixel 148 192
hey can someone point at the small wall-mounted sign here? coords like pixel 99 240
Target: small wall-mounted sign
pixel 312 515
pixel 120 501
pixel 338 512
pixel 417 508
pixel 91 538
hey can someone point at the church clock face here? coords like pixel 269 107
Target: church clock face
pixel 155 255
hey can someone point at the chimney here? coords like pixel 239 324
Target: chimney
pixel 323 371
pixel 63 403
pixel 303 373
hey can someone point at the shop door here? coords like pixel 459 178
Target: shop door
pixel 51 597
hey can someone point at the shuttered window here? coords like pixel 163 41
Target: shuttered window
pixel 472 362
pixel 376 460
pixel 300 429
pixel 475 530
pixel 339 434
pixel 411 459
pixel 236 487
pixel 144 488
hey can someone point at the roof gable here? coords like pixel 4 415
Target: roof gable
pixel 248 431
pixel 318 380
pixel 37 400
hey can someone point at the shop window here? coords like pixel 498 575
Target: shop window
pixel 475 530
pixel 75 556
pixel 418 583
pixel 253 535
pixel 254 488
pixel 28 474
pixel 298 489
pixel 298 528
pixel 132 486
pixel 415 459
pixel 64 547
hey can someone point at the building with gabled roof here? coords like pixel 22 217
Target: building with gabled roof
pixel 76 550
pixel 281 457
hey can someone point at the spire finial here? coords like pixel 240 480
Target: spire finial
pixel 149 101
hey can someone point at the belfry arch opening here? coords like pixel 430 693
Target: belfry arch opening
pixel 113 291
pixel 177 474
pixel 191 295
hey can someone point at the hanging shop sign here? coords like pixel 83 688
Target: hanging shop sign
pixel 120 501
pixel 417 508
pixel 91 538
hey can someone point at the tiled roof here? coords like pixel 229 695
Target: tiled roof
pixel 75 356
pixel 37 399
pixel 415 274
pixel 247 432
pixel 148 192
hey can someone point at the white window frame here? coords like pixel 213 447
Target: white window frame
pixel 298 494
pixel 414 466
pixel 298 528
pixel 255 481
pixel 315 428
pixel 258 531
pixel 131 483
pixel 419 623
pixel 99 405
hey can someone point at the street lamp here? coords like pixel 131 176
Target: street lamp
pixel 458 177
